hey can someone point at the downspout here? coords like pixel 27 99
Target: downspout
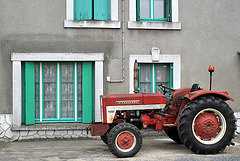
pixel 123 48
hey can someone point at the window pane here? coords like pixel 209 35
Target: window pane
pixel 145 8
pixel 36 109
pixel 49 109
pixel 49 91
pixel 36 91
pixel 145 88
pixel 145 74
pixel 79 72
pixel 67 109
pixel 158 89
pixel 79 91
pixel 67 73
pixel 67 91
pixel 159 8
pixel 49 73
pixel 79 109
pixel 36 72
pixel 162 73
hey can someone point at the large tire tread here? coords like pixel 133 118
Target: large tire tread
pixel 115 131
pixel 185 124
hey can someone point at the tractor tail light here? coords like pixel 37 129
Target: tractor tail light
pixel 211 68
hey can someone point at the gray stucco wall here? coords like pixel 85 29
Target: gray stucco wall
pixel 210 34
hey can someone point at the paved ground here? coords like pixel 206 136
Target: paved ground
pixel 92 149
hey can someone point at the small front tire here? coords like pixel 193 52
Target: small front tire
pixel 124 140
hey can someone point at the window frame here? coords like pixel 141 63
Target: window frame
pixel 174 24
pixel 154 82
pixel 114 22
pixel 18 58
pixel 151 12
pixel 175 60
pixel 59 99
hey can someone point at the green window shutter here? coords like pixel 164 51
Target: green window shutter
pixel 87 92
pixel 29 89
pixel 82 9
pixel 138 10
pixel 102 10
pixel 169 10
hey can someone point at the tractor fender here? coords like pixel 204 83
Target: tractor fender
pixel 196 94
pixel 193 95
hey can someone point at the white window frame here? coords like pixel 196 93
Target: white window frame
pixel 134 24
pixel 17 58
pixel 174 59
pixel 71 23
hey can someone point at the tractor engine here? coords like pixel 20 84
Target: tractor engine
pixel 143 110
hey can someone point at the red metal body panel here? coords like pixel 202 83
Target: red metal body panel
pixel 98 128
pixel 133 99
pixel 195 94
pixel 130 99
pixel 122 99
pixel 176 102
pixel 153 98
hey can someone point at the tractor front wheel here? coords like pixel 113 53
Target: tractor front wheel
pixel 207 125
pixel 124 140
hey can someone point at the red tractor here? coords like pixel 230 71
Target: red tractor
pixel 200 119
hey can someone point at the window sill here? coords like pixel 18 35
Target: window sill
pixel 56 126
pixel 154 25
pixel 92 24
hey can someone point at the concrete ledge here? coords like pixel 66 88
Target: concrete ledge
pixel 55 126
pixel 92 24
pixel 154 25
pixel 57 57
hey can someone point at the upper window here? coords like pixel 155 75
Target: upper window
pixel 154 14
pixel 92 10
pixel 92 14
pixel 153 10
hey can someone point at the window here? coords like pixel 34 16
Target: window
pixel 154 14
pixel 151 75
pixel 92 10
pixel 151 67
pixel 57 92
pixel 153 10
pixel 92 14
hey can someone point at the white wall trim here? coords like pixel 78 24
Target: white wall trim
pixel 71 23
pixel 92 24
pixel 134 24
pixel 17 93
pixel 175 59
pixel 17 58
pixel 57 56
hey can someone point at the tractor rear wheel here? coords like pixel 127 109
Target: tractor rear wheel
pixel 172 133
pixel 104 137
pixel 207 125
pixel 124 140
